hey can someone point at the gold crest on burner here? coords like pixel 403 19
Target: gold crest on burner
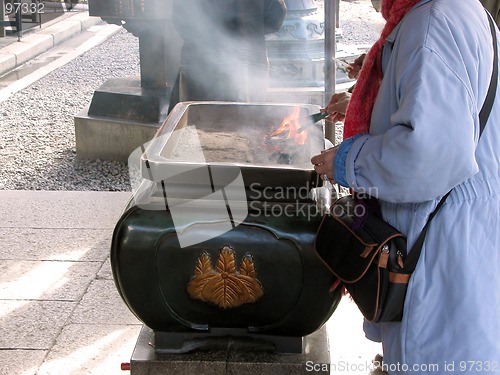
pixel 225 287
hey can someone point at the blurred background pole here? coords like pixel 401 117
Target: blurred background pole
pixel 331 22
pixel 2 17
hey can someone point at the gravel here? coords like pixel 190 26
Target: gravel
pixel 360 23
pixel 37 147
pixel 37 144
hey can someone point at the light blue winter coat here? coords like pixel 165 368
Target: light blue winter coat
pixel 423 137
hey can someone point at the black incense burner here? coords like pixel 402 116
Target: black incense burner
pixel 217 239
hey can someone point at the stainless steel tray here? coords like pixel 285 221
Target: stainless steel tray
pixel 159 161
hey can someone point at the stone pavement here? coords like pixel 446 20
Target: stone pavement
pixel 60 312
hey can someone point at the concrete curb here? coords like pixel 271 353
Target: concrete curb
pixel 33 44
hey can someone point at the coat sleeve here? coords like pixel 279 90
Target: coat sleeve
pixel 430 143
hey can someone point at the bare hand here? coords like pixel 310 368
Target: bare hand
pixel 337 106
pixel 324 163
pixel 354 68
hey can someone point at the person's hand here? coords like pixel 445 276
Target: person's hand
pixel 324 163
pixel 353 68
pixel 337 107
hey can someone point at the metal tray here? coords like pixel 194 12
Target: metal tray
pixel 158 162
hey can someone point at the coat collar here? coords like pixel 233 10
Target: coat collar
pixel 392 36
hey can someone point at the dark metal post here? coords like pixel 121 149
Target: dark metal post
pixel 331 10
pixel 19 23
pixel 2 16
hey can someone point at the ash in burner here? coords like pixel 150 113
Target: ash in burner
pixel 284 158
pixel 248 147
pixel 211 146
pixel 285 151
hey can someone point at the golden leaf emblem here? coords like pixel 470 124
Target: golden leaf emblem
pixel 225 287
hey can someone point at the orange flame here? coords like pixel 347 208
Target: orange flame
pixel 291 124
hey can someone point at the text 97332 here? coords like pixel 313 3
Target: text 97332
pixel 24 8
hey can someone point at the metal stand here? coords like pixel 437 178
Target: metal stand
pixel 185 342
pixel 230 355
pixel 331 21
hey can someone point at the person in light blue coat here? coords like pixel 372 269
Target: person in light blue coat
pixel 422 140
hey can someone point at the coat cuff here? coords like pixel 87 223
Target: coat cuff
pixel 339 172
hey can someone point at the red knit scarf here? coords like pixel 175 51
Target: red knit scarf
pixel 360 107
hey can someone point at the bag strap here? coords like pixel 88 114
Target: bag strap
pixel 412 258
pixel 490 97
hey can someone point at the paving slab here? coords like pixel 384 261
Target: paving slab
pixel 20 361
pixel 105 273
pixel 91 349
pixel 102 304
pixel 45 280
pixel 63 30
pixel 85 20
pixel 55 262
pixel 82 245
pixel 7 62
pixel 61 209
pixel 35 325
pixel 29 47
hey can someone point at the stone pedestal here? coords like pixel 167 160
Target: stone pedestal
pixel 125 113
pixel 125 98
pixel 121 117
pixel 232 356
